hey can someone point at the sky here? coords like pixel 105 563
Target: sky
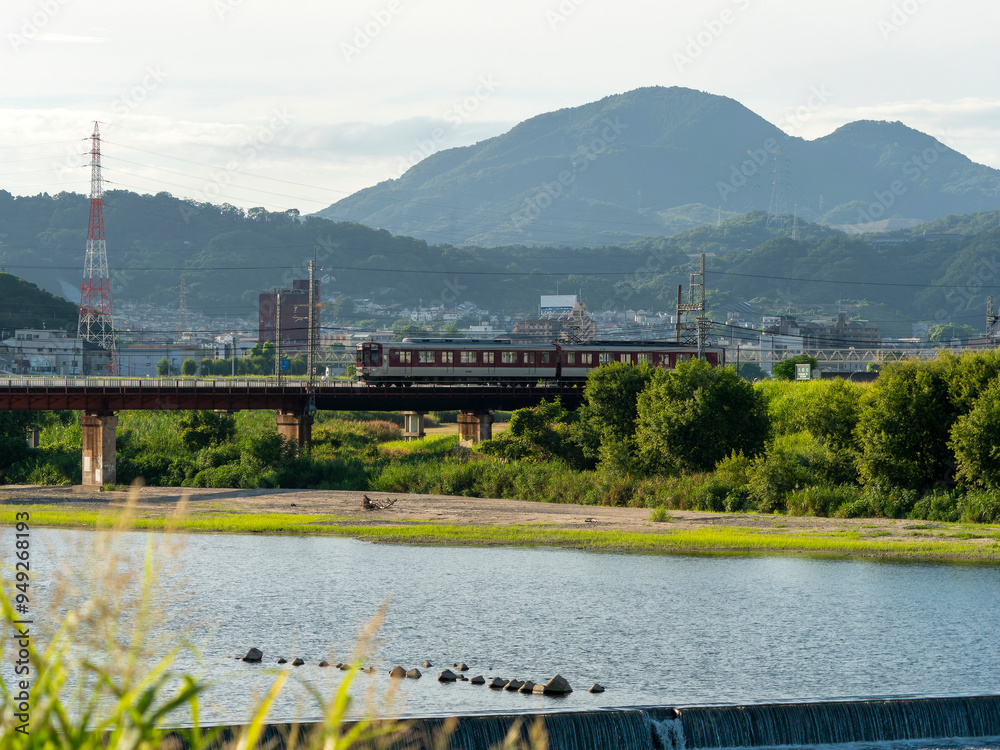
pixel 298 104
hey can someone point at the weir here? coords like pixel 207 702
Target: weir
pixel 692 728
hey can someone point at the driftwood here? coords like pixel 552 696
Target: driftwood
pixel 368 504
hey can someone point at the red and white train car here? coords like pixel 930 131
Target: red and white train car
pixel 499 360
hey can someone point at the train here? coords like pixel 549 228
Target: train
pixel 501 361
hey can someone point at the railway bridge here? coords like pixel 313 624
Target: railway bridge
pixel 294 403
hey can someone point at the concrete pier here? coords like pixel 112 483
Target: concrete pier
pixel 296 428
pixel 100 463
pixel 475 426
pixel 413 425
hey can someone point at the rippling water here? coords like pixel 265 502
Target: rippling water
pixel 655 629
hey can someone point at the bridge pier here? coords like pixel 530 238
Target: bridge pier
pixel 296 428
pixel 413 425
pixel 474 426
pixel 100 462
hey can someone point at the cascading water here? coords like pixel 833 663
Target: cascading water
pixel 833 723
pixel 702 728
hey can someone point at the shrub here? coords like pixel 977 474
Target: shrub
pixel 881 501
pixel 939 506
pixel 981 507
pixel 795 462
pixel 820 500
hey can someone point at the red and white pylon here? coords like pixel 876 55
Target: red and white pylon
pixel 96 319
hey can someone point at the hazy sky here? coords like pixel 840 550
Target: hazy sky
pixel 297 104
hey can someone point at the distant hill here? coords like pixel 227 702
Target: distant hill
pixel 656 161
pixel 24 305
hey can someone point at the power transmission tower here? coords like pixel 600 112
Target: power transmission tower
pixel 96 323
pixel 687 333
pixel 991 319
pixel 777 214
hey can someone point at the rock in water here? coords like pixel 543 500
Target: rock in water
pixel 253 656
pixel 282 660
pixel 369 670
pixel 426 665
pixel 397 671
pixel 298 662
pixel 497 683
pixel 513 685
pixel 446 676
pixel 538 689
pixel 596 688
pixel 478 680
pixel 413 674
pixel 324 663
pixel 557 686
pixel 462 667
pixel 527 687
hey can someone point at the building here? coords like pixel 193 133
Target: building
pixel 562 317
pixel 294 316
pixel 839 333
pixel 45 352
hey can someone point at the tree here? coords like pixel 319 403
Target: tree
pixel 974 440
pixel 200 429
pixel 14 426
pixel 189 367
pixel 607 418
pixel 163 367
pixel 537 433
pixel 785 369
pixel 750 371
pixel 691 418
pixel 904 426
pixel 948 332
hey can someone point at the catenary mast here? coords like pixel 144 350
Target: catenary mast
pixel 96 320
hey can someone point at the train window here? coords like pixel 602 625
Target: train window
pixel 508 358
pixel 664 360
pixel 643 358
pixel 468 358
pixel 447 358
pixel 587 359
pixel 683 358
pixel 405 358
pixel 627 359
pixel 570 358
pixel 545 358
pixel 605 358
pixel 425 357
pixel 529 358
pixel 488 358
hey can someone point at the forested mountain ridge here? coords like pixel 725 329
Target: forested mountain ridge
pixel 227 256
pixel 656 161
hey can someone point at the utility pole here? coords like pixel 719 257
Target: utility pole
pixel 991 319
pixel 311 338
pixel 277 337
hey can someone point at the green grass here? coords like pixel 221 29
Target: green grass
pixel 738 540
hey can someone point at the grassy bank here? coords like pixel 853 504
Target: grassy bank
pixel 959 543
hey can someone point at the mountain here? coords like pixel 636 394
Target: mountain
pixel 24 305
pixel 656 161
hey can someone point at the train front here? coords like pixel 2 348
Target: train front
pixel 369 362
